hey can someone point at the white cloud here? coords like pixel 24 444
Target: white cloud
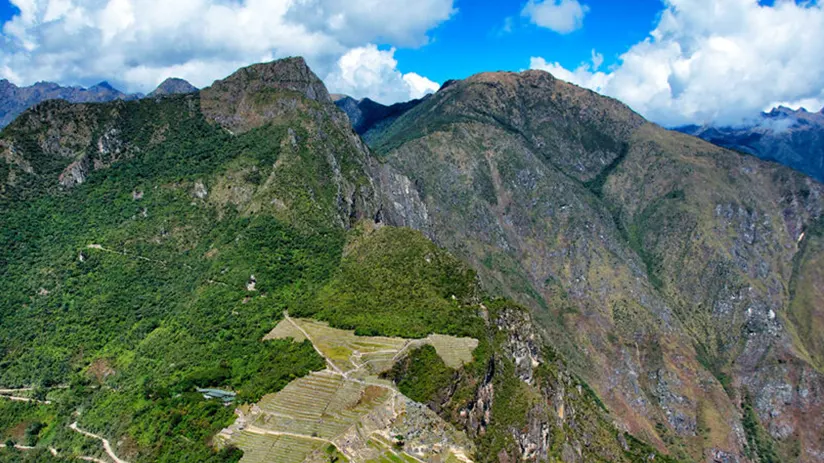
pixel 356 22
pixel 716 61
pixel 419 85
pixel 373 73
pixel 583 76
pixel 137 43
pixel 562 16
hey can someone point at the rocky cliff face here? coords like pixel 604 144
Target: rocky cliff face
pixel 659 264
pixel 794 138
pixel 520 402
pixel 258 94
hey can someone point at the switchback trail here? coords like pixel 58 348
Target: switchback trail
pixel 106 445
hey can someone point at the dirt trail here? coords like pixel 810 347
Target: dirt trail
pixel 18 447
pixel 95 460
pixel 106 444
pixel 134 256
pixel 12 391
pixel 329 362
pixel 25 399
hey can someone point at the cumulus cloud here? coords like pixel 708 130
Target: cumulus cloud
pixel 586 75
pixel 138 43
pixel 400 22
pixel 716 61
pixel 561 16
pixel 371 72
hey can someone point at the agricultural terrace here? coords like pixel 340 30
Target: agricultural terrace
pixel 346 409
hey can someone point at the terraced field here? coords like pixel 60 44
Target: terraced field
pixel 323 405
pixel 266 448
pixel 346 407
pixel 375 354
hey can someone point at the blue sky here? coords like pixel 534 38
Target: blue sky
pixel 473 40
pixel 674 61
pixel 7 10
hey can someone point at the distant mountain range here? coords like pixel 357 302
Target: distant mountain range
pixel 794 138
pixel 14 100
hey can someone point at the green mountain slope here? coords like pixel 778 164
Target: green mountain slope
pixel 130 282
pixel 660 265
pixel 148 247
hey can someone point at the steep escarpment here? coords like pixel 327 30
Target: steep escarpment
pixel 660 265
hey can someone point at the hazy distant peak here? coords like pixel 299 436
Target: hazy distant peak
pixel 173 86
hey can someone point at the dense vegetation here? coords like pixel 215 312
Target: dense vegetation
pixel 422 374
pixel 159 305
pixel 395 282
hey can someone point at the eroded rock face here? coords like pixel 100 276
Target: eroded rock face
pixel 75 173
pixel 558 417
pixel 81 137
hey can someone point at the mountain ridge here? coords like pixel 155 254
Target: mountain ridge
pixel 794 138
pixel 15 100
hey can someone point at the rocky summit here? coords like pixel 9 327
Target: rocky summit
pixel 512 269
pixel 173 86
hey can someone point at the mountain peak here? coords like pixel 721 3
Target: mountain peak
pixel 104 85
pixel 173 86
pixel 288 74
pixel 256 94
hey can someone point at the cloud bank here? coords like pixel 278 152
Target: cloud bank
pixel 370 72
pixel 138 43
pixel 718 61
pixel 561 16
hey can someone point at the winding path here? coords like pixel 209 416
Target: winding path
pixel 329 362
pixel 18 447
pixel 106 444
